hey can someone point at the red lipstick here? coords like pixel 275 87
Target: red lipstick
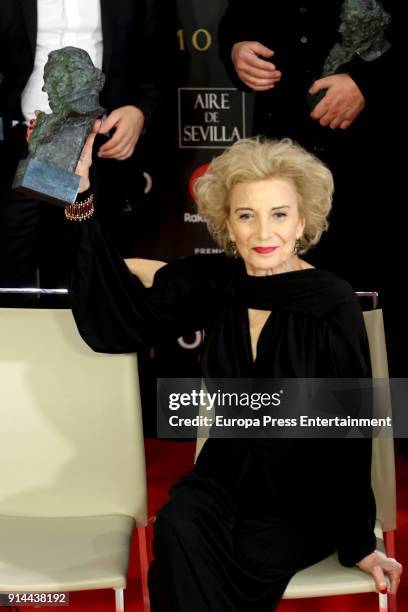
pixel 264 250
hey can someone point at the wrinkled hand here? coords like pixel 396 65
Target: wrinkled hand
pixel 129 122
pixel 342 103
pixel 379 566
pixel 31 124
pixel 255 72
pixel 85 160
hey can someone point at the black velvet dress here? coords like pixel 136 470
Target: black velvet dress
pixel 251 512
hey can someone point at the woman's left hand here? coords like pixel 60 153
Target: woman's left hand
pixel 85 160
pixel 379 566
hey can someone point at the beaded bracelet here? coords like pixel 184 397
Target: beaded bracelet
pixel 80 211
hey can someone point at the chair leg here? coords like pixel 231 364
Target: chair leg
pixel 389 541
pixel 392 603
pixel 120 600
pixel 383 602
pixel 144 566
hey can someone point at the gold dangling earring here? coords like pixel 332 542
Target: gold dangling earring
pixel 231 250
pixel 297 246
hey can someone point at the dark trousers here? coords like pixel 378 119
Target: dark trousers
pixel 365 243
pixel 33 234
pixel 208 558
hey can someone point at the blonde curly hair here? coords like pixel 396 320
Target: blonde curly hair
pixel 257 159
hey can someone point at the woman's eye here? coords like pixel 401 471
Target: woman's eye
pixel 279 215
pixel 245 216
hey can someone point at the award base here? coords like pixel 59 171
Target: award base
pixel 46 182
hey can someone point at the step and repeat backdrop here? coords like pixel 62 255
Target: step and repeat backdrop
pixel 211 113
pixel 201 115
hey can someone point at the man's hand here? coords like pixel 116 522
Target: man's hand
pixel 379 565
pixel 129 122
pixel 255 72
pixel 342 103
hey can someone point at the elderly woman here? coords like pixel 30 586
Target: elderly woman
pixel 251 512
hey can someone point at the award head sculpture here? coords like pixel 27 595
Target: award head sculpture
pixel 73 84
pixel 362 29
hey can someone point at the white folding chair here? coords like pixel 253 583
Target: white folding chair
pixel 328 577
pixel 72 464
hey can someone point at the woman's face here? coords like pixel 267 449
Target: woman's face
pixel 264 222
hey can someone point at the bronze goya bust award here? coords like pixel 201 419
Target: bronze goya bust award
pixel 73 84
pixel 362 27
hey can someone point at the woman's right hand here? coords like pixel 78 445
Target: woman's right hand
pixel 85 160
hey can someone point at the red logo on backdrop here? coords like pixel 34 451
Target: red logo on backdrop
pixel 196 174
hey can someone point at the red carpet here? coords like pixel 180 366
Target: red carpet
pixel 166 461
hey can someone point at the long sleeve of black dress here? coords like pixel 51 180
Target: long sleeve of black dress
pixel 113 310
pixel 356 503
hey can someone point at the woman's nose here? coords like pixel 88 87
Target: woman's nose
pixel 264 229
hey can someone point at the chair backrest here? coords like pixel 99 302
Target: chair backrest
pixel 71 436
pixel 383 460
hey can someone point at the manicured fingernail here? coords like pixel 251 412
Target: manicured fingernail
pixel 383 590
